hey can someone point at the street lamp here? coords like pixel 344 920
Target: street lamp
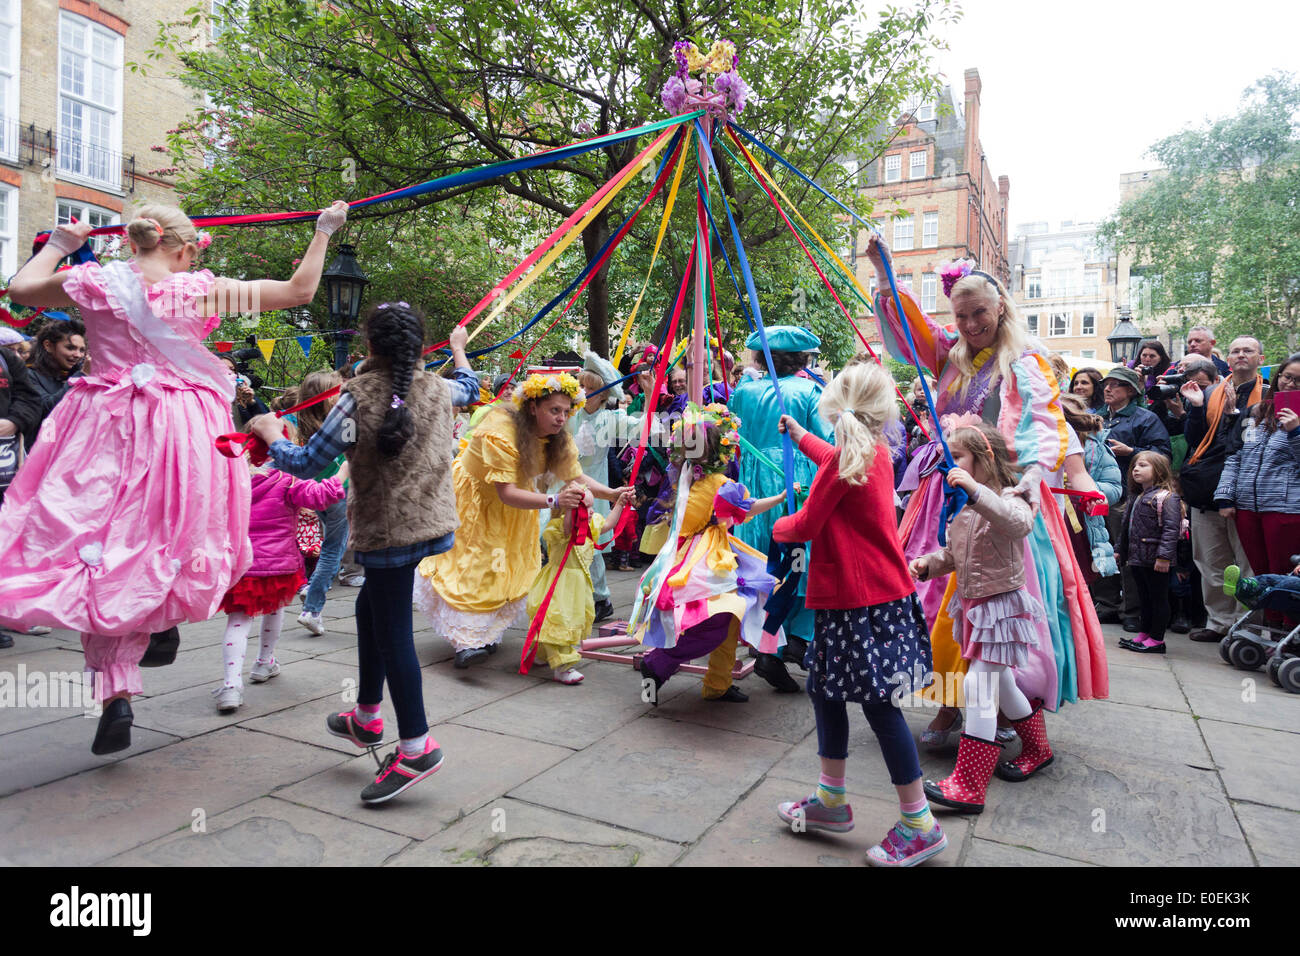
pixel 1124 339
pixel 344 284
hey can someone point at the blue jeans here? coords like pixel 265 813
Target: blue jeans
pixel 335 519
pixel 386 647
pixel 891 730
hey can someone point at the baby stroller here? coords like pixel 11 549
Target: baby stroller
pixel 1252 641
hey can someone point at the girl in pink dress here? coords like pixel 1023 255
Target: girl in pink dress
pixel 125 520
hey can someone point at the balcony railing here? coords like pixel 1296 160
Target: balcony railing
pixel 31 145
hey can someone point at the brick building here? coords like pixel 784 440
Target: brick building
pixel 1065 286
pixel 936 174
pixel 77 126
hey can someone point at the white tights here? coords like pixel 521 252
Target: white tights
pixel 238 624
pixel 988 688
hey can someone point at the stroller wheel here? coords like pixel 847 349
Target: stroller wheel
pixel 1224 645
pixel 1288 675
pixel 1245 655
pixel 1274 664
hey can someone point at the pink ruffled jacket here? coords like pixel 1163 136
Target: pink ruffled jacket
pixel 273 522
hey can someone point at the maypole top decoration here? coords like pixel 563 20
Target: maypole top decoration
pixel 684 92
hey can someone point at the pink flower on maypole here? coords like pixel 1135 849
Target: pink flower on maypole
pixel 724 98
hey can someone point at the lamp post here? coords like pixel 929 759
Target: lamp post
pixel 1124 339
pixel 344 285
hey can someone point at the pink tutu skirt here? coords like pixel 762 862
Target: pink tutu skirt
pixel 1000 628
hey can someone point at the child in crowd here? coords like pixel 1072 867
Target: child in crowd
pixel 1149 545
pixel 274 578
pixel 869 628
pixel 715 585
pixel 1272 592
pixel 334 519
pixel 393 422
pixel 572 610
pixel 986 545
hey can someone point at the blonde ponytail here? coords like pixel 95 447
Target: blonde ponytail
pixel 155 225
pixel 859 402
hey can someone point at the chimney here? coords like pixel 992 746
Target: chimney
pixel 973 88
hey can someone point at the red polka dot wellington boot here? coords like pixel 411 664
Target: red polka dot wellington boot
pixel 1036 753
pixel 964 788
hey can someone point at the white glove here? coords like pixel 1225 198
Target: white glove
pixel 67 238
pixel 332 218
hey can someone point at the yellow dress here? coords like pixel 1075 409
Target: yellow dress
pixel 475 591
pixel 572 610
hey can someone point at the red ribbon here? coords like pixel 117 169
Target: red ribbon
pixel 581 518
pixel 1094 502
pixel 258 453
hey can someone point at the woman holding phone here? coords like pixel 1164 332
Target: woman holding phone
pixel 1260 485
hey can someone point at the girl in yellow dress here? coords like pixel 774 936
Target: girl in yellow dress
pixel 572 610
pixel 475 591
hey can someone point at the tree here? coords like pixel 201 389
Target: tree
pixel 356 97
pixel 1218 232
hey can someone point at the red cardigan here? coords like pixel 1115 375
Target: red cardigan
pixel 856 559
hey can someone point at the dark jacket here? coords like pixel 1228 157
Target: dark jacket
pixel 1138 428
pixel 1199 480
pixel 20 402
pixel 50 389
pixel 1263 475
pixel 1152 526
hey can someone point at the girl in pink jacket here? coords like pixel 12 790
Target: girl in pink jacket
pixel 275 576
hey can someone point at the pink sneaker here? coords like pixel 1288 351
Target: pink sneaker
pixel 903 846
pixel 811 814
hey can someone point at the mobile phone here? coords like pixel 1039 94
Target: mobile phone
pixel 1289 400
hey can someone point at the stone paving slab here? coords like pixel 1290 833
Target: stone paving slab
pixel 204 666
pixel 1256 764
pixel 1146 687
pixel 668 778
pixel 87 818
pixel 60 748
pixel 269 832
pixel 514 833
pixel 1244 698
pixel 784 717
pixel 41 679
pixel 751 834
pixel 988 853
pixel 478 767
pixel 1138 734
pixel 1274 834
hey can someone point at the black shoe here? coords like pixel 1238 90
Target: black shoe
pixel 1206 635
pixel 162 648
pixel 5 640
pixel 1108 617
pixel 493 648
pixel 770 668
pixel 114 730
pixel 1133 625
pixel 794 651
pixel 604 611
pixel 345 725
pixel 638 665
pixel 732 695
pixel 469 656
pixel 400 773
pixel 1180 625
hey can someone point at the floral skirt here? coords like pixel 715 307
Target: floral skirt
pixel 262 594
pixel 856 653
pixel 1000 628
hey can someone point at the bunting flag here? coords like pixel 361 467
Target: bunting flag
pixel 304 343
pixel 267 346
pixel 224 346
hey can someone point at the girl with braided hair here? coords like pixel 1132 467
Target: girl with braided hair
pixel 393 423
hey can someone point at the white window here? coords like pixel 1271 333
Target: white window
pixel 1061 323
pixel 871 288
pixel 929 291
pixel 893 168
pixel 8 227
pixel 905 279
pixel 1089 353
pixel 10 45
pixel 916 163
pixel 1034 286
pixel 90 95
pixel 1058 282
pixel 1036 258
pixel 1089 324
pixel 903 229
pixel 67 208
pixel 1092 282
pixel 930 230
pixel 226 15
pixel 1032 322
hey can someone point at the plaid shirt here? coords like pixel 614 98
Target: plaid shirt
pixel 307 461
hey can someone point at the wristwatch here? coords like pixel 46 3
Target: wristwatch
pixel 550 501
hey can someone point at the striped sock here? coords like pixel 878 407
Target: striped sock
pixel 917 815
pixel 830 791
pixel 365 715
pixel 413 747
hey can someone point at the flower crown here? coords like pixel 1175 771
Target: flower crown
pixel 953 272
pixel 540 386
pixel 203 240
pixel 720 417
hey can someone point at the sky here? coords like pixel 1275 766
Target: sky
pixel 1074 93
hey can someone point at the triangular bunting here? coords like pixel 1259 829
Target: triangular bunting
pixel 224 346
pixel 517 354
pixel 304 343
pixel 267 346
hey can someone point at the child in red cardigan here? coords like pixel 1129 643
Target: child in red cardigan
pixel 869 632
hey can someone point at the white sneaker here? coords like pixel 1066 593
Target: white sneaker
pixel 312 622
pixel 37 630
pixel 353 580
pixel 228 699
pixel 263 671
pixel 302 592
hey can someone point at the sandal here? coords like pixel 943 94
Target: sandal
pixel 937 738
